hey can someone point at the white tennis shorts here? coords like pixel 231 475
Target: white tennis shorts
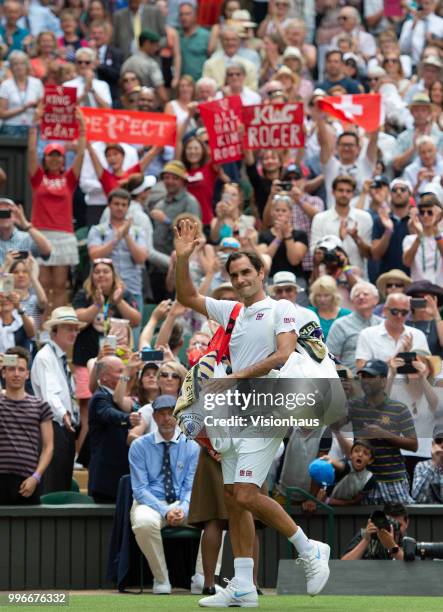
pixel 248 460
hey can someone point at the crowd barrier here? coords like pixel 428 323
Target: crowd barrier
pixel 66 547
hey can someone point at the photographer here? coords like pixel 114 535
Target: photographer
pixel 382 537
pixel 331 259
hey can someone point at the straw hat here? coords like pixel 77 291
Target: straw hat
pixel 394 274
pixel 175 167
pixel 64 315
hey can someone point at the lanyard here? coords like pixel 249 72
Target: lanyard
pixel 106 323
pixel 423 257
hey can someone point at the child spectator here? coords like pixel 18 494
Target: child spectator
pixel 354 478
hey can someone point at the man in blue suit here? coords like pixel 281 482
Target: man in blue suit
pixel 163 465
pixel 108 430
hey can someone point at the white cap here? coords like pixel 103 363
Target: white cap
pixel 376 71
pixel 284 279
pixel 400 181
pixel 245 17
pixel 292 52
pixel 148 182
pixel 352 56
pixel 329 243
pixel 435 189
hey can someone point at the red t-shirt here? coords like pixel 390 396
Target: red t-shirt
pixel 52 196
pixel 201 184
pixel 110 181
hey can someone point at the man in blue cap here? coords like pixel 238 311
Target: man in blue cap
pixel 390 427
pixel 163 465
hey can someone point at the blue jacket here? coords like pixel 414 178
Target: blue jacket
pixel 108 430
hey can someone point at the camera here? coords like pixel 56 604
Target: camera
pixel 408 358
pixel 424 550
pixel 331 257
pixel 382 521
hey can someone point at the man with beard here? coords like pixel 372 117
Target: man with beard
pixel 351 225
pixel 389 426
pixel 263 338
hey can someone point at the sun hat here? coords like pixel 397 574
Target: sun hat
pixel 63 315
pixel 393 274
pixel 175 167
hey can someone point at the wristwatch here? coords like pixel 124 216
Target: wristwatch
pixel 21 311
pixel 394 550
pixel 125 378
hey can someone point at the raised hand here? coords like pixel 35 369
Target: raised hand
pixel 386 220
pixel 185 238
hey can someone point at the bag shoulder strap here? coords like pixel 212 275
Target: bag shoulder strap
pixel 224 344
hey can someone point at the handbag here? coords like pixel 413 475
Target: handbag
pixel 214 363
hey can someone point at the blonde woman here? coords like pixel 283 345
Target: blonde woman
pixel 325 302
pixel 19 95
pixel 185 95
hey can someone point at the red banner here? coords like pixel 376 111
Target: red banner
pixel 59 122
pixel 222 121
pixel 132 127
pixel 270 126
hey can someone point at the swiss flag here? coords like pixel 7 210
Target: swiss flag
pixel 362 109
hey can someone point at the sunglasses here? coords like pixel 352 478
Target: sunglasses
pixel 398 311
pixel 103 260
pixel 396 285
pixel 170 375
pixel 402 189
pixel 282 290
pixel 85 62
pixel 438 440
pixel 391 60
pixel 425 212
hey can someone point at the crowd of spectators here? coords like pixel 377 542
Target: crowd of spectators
pixel 349 228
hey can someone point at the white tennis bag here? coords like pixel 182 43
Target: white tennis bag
pixel 311 361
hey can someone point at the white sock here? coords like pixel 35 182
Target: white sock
pixel 243 571
pixel 301 542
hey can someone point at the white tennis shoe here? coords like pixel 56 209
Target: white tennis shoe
pixel 232 595
pixel 316 567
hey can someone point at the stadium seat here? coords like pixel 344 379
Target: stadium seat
pixel 147 311
pixel 182 352
pixel 65 497
pixel 74 486
pixel 177 533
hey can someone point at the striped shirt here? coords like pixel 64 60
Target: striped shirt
pixel 388 465
pixel 20 433
pixel 19 241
